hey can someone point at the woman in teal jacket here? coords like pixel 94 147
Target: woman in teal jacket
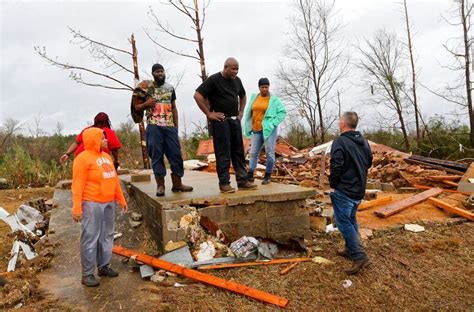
pixel 263 114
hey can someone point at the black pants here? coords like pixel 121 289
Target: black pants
pixel 229 146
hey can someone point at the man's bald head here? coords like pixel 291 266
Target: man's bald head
pixel 231 68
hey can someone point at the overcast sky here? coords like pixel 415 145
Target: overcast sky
pixel 254 32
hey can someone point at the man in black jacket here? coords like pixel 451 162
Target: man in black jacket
pixel 351 158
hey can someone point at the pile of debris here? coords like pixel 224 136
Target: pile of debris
pixel 29 226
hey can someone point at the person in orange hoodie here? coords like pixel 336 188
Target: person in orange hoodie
pixel 95 188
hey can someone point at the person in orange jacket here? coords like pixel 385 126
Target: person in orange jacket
pixel 95 188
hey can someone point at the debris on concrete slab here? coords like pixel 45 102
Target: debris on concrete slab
pixel 396 207
pixel 414 228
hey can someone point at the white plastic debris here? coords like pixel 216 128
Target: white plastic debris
pixel 211 158
pixel 193 164
pixel 414 228
pixel 347 283
pixel 207 251
pixel 157 278
pixel 146 271
pixel 29 215
pixel 330 228
pixel 13 256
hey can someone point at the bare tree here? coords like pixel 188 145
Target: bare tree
pixel 316 62
pixel 197 15
pixel 381 61
pixel 461 49
pixel 112 60
pixel 414 98
pixel 7 131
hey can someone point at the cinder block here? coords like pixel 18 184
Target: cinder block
pixel 140 177
pixel 288 208
pixel 218 214
pixel 388 187
pixel 288 224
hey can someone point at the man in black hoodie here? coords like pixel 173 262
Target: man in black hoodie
pixel 351 158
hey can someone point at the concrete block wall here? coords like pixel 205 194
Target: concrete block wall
pixel 277 220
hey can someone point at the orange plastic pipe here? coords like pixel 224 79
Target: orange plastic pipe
pixel 202 277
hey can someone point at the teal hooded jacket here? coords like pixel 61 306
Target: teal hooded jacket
pixel 274 115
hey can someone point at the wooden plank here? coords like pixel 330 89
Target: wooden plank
pixel 450 183
pixel 202 277
pixel 425 187
pixel 413 161
pixel 396 207
pixel 445 163
pixel 289 268
pixel 238 265
pixel 464 185
pixel 376 202
pixel 445 177
pixel 452 209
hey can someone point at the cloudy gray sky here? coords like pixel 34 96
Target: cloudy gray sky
pixel 252 31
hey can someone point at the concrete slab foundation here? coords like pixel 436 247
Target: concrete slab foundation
pixel 272 211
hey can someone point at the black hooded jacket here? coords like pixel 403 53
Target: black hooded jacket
pixel 351 158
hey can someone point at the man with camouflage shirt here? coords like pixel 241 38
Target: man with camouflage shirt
pixel 158 99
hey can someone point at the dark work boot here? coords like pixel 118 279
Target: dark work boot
pixel 89 281
pixel 178 186
pixel 107 271
pixel 160 185
pixel 246 185
pixel 250 177
pixel 226 188
pixel 267 178
pixel 357 266
pixel 343 253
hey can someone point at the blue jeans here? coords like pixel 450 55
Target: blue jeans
pixel 163 141
pixel 256 146
pixel 345 211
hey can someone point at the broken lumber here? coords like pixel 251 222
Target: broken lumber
pixel 445 163
pixel 289 268
pixel 450 183
pixel 202 277
pixel 424 187
pixel 396 207
pixel 426 164
pixel 445 177
pixel 244 264
pixel 376 202
pixel 452 209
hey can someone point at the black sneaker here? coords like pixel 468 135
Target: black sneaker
pixel 107 271
pixel 89 281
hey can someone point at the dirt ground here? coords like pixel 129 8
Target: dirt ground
pixel 431 270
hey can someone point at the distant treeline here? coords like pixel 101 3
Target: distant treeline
pixel 32 161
